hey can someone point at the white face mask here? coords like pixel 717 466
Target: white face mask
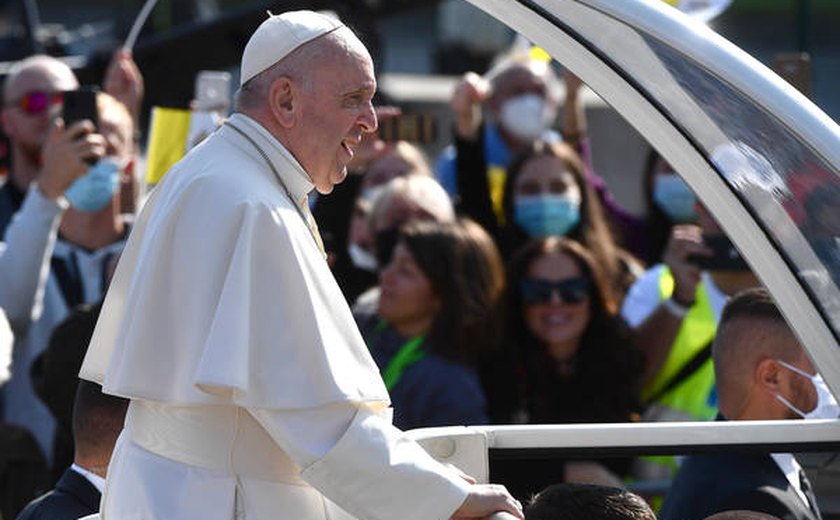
pixel 826 408
pixel 527 116
pixel 362 258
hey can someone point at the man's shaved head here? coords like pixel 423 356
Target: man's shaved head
pixel 38 72
pixel 751 329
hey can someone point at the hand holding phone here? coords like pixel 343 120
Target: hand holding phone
pixel 724 257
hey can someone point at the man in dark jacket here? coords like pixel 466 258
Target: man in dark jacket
pixel 762 373
pixel 97 422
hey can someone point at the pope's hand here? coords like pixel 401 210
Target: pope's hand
pixel 486 499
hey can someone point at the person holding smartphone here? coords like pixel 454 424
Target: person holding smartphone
pixel 674 308
pixel 59 245
pixel 32 99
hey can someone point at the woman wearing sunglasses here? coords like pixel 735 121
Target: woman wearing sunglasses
pixel 577 355
pixel 574 357
pixel 437 313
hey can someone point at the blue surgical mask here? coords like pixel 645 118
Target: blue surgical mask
pixel 673 196
pixel 546 215
pixel 94 190
pixel 826 408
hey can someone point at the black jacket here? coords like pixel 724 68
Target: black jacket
pixel 73 497
pixel 711 483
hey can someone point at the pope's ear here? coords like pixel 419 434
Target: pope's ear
pixel 283 102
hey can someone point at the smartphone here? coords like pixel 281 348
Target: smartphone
pixel 212 90
pixel 795 67
pixel 419 128
pixel 725 256
pixel 78 105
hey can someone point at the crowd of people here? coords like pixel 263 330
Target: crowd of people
pixel 504 285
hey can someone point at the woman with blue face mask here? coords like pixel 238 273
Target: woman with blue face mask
pixel 670 201
pixel 547 195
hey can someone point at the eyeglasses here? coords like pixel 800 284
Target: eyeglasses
pixel 536 291
pixel 36 102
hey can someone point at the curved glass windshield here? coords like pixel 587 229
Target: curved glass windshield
pixel 790 188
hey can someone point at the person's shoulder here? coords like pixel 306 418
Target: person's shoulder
pixel 434 371
pixel 771 500
pixel 218 189
pixel 54 505
pixel 732 470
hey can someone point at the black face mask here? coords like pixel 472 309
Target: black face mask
pixel 386 241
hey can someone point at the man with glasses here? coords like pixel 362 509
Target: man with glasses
pixel 31 97
pixel 63 220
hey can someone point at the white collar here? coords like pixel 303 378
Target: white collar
pixel 97 481
pixel 294 177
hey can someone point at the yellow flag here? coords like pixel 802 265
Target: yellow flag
pixel 167 141
pixel 538 54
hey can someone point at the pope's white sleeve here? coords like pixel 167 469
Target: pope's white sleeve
pixel 361 462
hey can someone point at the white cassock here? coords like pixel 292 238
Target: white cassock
pixel 252 392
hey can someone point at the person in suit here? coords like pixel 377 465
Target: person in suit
pixel 762 373
pixel 97 422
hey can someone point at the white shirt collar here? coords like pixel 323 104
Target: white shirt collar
pixel 790 467
pixel 292 173
pixel 93 478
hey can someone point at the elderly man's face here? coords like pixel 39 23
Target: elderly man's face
pixel 336 111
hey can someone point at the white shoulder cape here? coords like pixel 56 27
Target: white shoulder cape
pixel 222 296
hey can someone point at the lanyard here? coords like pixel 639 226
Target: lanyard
pixel 279 179
pixel 408 354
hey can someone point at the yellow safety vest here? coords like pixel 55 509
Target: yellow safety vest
pixel 694 398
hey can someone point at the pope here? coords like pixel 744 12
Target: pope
pixel 252 394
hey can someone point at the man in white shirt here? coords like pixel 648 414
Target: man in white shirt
pixel 252 392
pixel 762 373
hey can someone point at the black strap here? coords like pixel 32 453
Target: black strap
pixel 67 275
pixel 805 485
pixel 685 372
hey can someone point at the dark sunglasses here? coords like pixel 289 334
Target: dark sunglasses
pixel 536 291
pixel 36 102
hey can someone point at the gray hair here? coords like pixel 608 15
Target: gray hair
pixel 422 190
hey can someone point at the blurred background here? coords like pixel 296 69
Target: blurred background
pixel 420 47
